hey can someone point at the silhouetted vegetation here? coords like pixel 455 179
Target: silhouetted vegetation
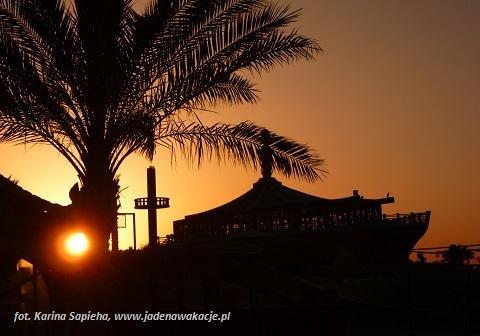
pixel 457 255
pixel 99 82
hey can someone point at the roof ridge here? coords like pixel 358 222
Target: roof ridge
pixel 10 189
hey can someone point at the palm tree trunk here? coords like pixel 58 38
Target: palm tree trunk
pixel 100 209
pixel 98 206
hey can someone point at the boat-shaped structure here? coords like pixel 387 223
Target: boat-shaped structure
pixel 279 220
pixel 282 222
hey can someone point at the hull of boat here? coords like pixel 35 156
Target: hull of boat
pixel 353 245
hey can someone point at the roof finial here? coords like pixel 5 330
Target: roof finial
pixel 266 154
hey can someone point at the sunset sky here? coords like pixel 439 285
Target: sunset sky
pixel 392 105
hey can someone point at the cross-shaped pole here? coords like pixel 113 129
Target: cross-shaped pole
pixel 152 203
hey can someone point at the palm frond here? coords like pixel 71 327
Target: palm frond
pixel 240 144
pixel 133 134
pixel 203 43
pixel 29 100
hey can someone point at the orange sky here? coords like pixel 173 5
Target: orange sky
pixel 392 105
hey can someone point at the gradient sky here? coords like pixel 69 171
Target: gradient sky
pixel 392 105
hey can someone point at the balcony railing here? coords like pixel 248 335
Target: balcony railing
pixel 160 203
pixel 411 218
pixel 208 229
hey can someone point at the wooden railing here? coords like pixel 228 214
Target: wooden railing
pixel 411 218
pixel 314 224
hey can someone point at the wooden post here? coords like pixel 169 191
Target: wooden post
pixel 152 208
pixel 115 239
pixel 134 233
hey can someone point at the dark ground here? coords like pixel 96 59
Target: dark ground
pixel 265 297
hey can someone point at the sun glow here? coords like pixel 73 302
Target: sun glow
pixel 76 244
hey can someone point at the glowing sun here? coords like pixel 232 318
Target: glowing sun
pixel 76 244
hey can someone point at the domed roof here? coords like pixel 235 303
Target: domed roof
pixel 270 194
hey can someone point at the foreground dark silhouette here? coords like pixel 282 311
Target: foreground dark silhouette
pixel 261 278
pixel 271 296
pixel 265 293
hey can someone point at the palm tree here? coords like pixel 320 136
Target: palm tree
pixel 98 82
pixel 457 255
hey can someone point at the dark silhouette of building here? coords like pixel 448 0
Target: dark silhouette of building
pixel 281 220
pixel 23 216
